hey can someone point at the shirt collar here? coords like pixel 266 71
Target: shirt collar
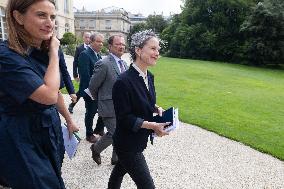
pixel 140 71
pixel 93 50
pixel 115 58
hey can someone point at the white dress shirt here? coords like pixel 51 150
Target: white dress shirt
pixel 116 60
pixel 142 74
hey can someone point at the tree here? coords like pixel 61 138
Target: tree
pixel 264 30
pixel 172 47
pixel 69 41
pixel 136 28
pixel 68 38
pixel 208 29
pixel 156 22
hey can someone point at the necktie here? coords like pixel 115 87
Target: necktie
pixel 122 69
pixel 99 56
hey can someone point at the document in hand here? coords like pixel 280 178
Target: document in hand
pixel 88 92
pixel 70 144
pixel 169 115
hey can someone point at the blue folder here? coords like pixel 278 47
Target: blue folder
pixel 168 116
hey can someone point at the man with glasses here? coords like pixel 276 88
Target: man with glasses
pixel 104 76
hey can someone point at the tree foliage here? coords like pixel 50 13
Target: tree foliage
pixel 136 28
pixel 264 31
pixel 155 22
pixel 68 38
pixel 207 29
pixel 239 31
pixel 69 42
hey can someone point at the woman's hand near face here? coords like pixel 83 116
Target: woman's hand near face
pixel 54 46
pixel 48 92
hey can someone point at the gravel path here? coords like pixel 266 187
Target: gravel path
pixel 189 157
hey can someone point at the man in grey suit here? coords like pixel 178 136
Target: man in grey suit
pixel 105 74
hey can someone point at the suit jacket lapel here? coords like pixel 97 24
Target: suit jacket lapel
pixel 125 65
pixel 150 93
pixel 93 55
pixel 114 64
pixel 151 89
pixel 83 47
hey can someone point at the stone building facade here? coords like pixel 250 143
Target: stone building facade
pixel 3 25
pixel 65 17
pixel 107 21
pixel 136 18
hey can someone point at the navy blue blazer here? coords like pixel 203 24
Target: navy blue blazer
pixel 133 103
pixel 65 74
pixel 87 60
pixel 78 51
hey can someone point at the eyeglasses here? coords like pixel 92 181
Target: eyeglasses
pixel 119 44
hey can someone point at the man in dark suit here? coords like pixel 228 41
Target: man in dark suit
pixel 105 74
pixel 87 60
pixel 79 49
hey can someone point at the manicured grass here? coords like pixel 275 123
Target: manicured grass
pixel 75 84
pixel 240 102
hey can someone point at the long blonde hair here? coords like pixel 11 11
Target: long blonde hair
pixel 18 38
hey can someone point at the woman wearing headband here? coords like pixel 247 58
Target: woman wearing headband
pixel 134 99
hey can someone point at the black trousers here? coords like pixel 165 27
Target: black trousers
pixel 91 110
pixel 78 98
pixel 135 165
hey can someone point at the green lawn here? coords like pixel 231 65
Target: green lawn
pixel 240 102
pixel 75 84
